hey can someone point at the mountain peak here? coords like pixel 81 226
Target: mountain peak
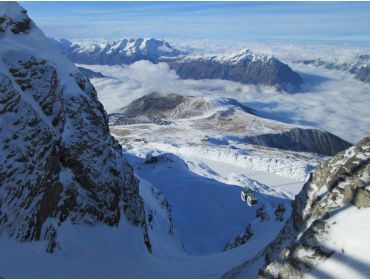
pixel 14 18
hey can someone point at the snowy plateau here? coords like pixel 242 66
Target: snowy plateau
pixel 131 163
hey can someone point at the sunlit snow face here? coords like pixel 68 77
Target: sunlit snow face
pixel 332 100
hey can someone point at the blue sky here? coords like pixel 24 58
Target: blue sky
pixel 239 21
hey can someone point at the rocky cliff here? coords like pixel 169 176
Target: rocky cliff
pixel 58 161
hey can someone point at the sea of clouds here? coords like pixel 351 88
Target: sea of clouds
pixel 331 100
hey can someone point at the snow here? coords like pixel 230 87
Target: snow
pixel 348 237
pixel 231 57
pixel 223 214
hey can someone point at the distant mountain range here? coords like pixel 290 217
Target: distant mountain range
pixel 125 51
pixel 244 67
pixel 351 67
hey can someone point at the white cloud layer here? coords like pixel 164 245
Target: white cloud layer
pixel 332 100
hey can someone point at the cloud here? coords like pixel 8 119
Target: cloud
pixel 332 100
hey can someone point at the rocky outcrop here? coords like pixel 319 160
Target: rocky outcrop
pixel 58 161
pixel 20 23
pixel 240 239
pixel 90 74
pixel 338 184
pixel 363 74
pixel 245 67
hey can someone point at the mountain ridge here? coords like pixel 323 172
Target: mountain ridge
pixel 59 162
pixel 243 66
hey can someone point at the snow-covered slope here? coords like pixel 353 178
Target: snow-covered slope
pixel 207 213
pixel 225 121
pixel 58 162
pixel 326 234
pixel 124 51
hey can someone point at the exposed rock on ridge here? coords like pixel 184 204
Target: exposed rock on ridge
pixel 58 161
pixel 338 184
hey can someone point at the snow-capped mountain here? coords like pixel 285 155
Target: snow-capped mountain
pixel 244 67
pixel 59 165
pixel 224 121
pixel 326 234
pixel 351 66
pixel 124 51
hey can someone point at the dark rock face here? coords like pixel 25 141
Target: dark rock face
pixel 302 140
pixel 58 161
pixel 363 74
pixel 271 72
pixel 90 74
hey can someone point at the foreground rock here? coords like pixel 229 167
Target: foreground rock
pixel 318 228
pixel 58 162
